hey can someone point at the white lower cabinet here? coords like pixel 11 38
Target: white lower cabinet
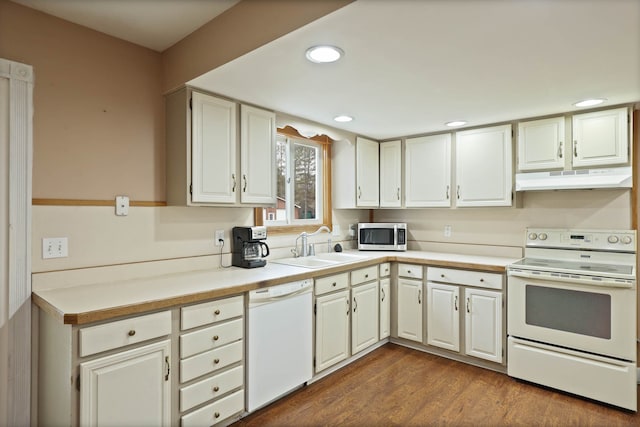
pixel 365 322
pixel 332 329
pixel 443 324
pixel 129 388
pixel 211 361
pixel 409 302
pixel 385 308
pixel 480 311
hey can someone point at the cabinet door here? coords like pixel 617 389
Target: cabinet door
pixel 484 167
pixel 131 388
pixel 601 138
pixel 332 329
pixel 213 163
pixel 483 324
pixel 541 144
pixel 257 155
pixel 365 322
pixel 391 174
pixel 410 309
pixel 428 171
pixel 443 316
pixel 367 176
pixel 385 308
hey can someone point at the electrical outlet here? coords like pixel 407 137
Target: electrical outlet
pixel 218 237
pixel 55 247
pixel 352 230
pixel 447 231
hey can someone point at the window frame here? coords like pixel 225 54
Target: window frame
pixel 325 200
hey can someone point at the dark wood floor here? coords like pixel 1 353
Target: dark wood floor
pixel 395 385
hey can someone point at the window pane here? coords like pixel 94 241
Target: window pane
pixel 279 212
pixel 305 174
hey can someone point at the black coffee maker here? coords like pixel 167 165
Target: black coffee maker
pixel 248 248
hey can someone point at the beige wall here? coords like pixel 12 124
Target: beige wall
pixel 98 124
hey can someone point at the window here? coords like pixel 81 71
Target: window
pixel 302 184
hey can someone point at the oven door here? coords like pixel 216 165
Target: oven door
pixel 595 319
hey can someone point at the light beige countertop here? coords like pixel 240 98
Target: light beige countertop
pixel 100 301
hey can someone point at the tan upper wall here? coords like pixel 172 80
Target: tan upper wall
pixel 98 100
pixel 98 108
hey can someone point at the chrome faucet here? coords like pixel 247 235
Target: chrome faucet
pixel 304 235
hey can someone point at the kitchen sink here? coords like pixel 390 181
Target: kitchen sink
pixel 321 260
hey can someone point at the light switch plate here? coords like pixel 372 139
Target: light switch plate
pixel 122 205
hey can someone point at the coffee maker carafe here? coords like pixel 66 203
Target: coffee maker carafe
pixel 248 249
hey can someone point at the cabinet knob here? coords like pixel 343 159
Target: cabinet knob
pixel 216 388
pixel 408 271
pixel 334 284
pixel 217 415
pixel 366 276
pixel 216 338
pixel 131 333
pixel 481 280
pixel 216 361
pixel 442 276
pixel 216 312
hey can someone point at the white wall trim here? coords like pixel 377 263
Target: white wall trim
pixel 16 318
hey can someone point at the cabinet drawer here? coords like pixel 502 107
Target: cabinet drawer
pixel 410 270
pixel 95 339
pixel 332 283
pixel 385 269
pixel 211 337
pixel 364 275
pixel 478 279
pixel 215 412
pixel 210 388
pixel 214 311
pixel 210 361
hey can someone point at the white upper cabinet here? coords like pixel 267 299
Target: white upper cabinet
pixel 391 174
pixel 428 171
pixel 541 144
pixel 213 166
pixel 601 138
pixel 355 174
pixel 257 155
pixel 207 164
pixel 367 173
pixel 484 167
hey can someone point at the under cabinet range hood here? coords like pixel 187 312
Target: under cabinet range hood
pixel 575 179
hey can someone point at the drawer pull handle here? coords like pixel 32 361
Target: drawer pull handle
pixel 216 389
pixel 334 284
pixel 217 312
pixel 216 361
pixel 132 332
pixel 217 415
pixel 366 276
pixel 216 338
pixel 408 271
pixel 442 276
pixel 481 280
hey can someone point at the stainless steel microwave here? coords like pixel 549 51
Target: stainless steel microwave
pixel 382 236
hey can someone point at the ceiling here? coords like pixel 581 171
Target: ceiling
pixel 411 65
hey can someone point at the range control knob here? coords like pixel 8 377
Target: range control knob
pixel 626 240
pixel 542 236
pixel 533 236
pixel 613 239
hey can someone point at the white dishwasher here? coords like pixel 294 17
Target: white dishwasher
pixel 279 341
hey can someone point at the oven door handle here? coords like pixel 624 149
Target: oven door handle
pixel 604 283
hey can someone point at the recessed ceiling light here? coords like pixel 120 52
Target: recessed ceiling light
pixel 324 53
pixel 456 123
pixel 590 102
pixel 343 119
